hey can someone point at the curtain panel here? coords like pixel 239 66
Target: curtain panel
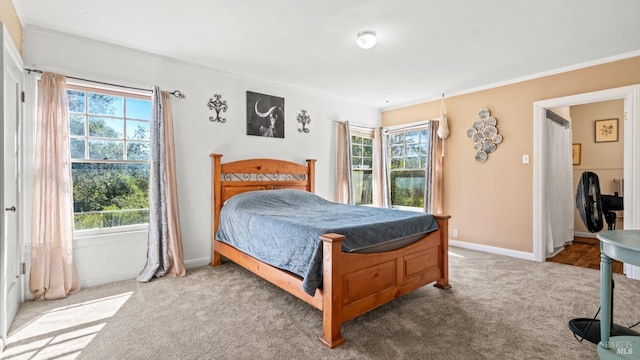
pixel 164 248
pixel 378 168
pixel 53 272
pixel 436 172
pixel 344 167
pixel 385 179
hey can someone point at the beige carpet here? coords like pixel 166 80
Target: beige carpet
pixel 498 308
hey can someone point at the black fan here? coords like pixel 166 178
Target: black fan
pixel 589 201
pixel 591 207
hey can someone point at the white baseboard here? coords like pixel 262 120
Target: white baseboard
pixel 106 279
pixel 632 272
pixel 194 263
pixel 492 249
pixel 132 274
pixel 584 234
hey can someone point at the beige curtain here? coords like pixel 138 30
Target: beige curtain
pixel 174 235
pixel 378 168
pixel 343 171
pixel 164 248
pixel 436 171
pixel 53 272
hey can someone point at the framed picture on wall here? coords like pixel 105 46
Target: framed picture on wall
pixel 265 115
pixel 576 153
pixel 606 130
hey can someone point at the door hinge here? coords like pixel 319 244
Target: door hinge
pixel 23 268
pixel 22 96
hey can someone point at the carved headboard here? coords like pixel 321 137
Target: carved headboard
pixel 240 176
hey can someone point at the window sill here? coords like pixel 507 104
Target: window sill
pixel 408 208
pixel 92 233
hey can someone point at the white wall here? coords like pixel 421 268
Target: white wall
pixel 121 256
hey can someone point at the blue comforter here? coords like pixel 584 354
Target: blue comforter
pixel 283 228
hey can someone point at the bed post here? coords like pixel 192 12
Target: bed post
pixel 443 223
pixel 215 205
pixel 332 290
pixel 311 175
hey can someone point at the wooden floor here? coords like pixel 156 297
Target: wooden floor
pixel 584 252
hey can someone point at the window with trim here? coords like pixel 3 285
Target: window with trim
pixel 110 157
pixel 362 166
pixel 408 162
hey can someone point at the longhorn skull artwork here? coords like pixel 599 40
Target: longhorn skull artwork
pixel 265 115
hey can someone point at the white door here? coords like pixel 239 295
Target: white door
pixel 11 259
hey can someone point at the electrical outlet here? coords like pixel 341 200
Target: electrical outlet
pixel 525 159
pixel 455 232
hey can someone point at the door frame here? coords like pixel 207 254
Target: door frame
pixel 631 97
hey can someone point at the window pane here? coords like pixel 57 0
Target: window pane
pixel 108 195
pixel 102 104
pixel 367 163
pixel 397 163
pixel 397 138
pixel 407 188
pixel 362 187
pixel 138 130
pixel 367 151
pixel 413 137
pixel 137 150
pixel 138 109
pixel 356 139
pixel 367 141
pixel 356 150
pixel 76 100
pixel 412 150
pixel 76 124
pixel 397 151
pixel 423 149
pixel 106 150
pixel 412 163
pixel 106 127
pixel 77 148
pixel 356 162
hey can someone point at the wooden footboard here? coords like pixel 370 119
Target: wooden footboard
pixel 354 284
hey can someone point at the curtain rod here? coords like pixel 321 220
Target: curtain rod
pixel 409 126
pixel 558 119
pixel 176 93
pixel 356 125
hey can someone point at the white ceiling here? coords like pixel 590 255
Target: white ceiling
pixel 425 48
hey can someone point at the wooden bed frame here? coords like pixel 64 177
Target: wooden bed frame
pixel 353 284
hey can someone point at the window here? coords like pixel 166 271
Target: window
pixel 408 161
pixel 110 152
pixel 362 167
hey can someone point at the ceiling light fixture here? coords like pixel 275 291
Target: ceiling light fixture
pixel 366 39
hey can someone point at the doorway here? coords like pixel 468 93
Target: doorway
pixel 631 122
